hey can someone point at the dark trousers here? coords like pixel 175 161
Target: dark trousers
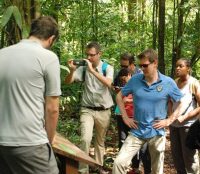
pixel 144 156
pixel 37 159
pixel 185 159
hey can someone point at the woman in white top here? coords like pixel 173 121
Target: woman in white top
pixel 185 160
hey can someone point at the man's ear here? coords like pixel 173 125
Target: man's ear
pixel 100 53
pixel 52 38
pixel 51 41
pixel 156 62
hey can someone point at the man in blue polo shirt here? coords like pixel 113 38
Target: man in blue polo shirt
pixel 152 91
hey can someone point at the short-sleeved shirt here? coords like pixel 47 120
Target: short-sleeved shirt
pixel 150 102
pixel 28 73
pixel 189 100
pixel 95 93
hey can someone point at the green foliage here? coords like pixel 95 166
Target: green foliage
pixel 117 28
pixel 69 128
pixel 6 16
pixel 196 70
pixel 11 10
pixel 17 17
pixel 68 123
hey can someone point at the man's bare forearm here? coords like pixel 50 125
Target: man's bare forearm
pixel 179 110
pixel 69 78
pixel 51 116
pixel 120 104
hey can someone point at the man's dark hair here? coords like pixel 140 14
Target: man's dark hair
pixel 124 72
pixel 94 45
pixel 129 57
pixel 150 54
pixel 44 27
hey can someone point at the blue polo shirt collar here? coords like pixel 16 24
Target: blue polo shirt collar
pixel 160 78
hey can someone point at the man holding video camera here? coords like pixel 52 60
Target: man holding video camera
pixel 96 100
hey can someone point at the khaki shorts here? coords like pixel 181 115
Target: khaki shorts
pixel 28 160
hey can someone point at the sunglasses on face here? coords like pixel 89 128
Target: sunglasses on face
pixel 91 55
pixel 144 65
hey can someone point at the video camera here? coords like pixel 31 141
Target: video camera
pixel 79 62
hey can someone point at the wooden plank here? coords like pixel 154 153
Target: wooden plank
pixel 71 166
pixel 64 147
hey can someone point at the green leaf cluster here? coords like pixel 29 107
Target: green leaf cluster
pixel 11 11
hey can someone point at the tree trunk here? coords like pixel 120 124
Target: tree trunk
pixel 94 20
pixel 155 23
pixel 196 56
pixel 173 40
pixel 177 48
pixel 132 17
pixel 161 36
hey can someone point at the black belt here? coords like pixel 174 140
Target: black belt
pixel 96 108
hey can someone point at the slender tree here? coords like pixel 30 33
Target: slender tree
pixel 94 17
pixel 180 30
pixel 155 23
pixel 196 55
pixel 161 36
pixel 132 14
pixel 173 38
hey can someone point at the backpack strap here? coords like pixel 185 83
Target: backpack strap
pixel 194 88
pixel 84 73
pixel 104 67
pixel 193 85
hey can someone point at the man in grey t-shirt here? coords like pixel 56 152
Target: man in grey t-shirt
pixel 96 101
pixel 29 95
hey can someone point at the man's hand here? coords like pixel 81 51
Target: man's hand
pixel 130 122
pixel 51 115
pixel 103 79
pixel 89 66
pixel 69 78
pixel 116 89
pixel 71 65
pixel 181 118
pixel 127 100
pixel 159 124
